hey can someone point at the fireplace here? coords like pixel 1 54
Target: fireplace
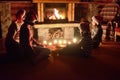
pixel 55 12
pixel 56 20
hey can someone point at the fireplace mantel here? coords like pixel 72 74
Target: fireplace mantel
pixel 55 1
pixel 56 25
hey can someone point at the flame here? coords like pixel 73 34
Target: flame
pixel 44 42
pixel 57 15
pixel 74 40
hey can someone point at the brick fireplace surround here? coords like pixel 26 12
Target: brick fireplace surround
pixel 68 27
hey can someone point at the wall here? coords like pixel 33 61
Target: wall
pixel 5 10
pixel 8 11
pixel 15 6
pixel 7 14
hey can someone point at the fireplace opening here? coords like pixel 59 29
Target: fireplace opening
pixel 55 12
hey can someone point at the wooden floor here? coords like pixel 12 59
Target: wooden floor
pixel 104 64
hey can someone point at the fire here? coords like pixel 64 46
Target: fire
pixel 56 15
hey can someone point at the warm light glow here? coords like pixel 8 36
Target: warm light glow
pixel 55 41
pixel 56 12
pixel 44 42
pixel 50 43
pixel 64 41
pixel 74 40
pixel 57 15
pixel 60 41
pixel 69 42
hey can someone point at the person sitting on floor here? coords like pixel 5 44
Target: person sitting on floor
pixel 96 31
pixel 33 50
pixel 12 45
pixel 84 46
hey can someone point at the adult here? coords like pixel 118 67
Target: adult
pixel 84 46
pixel 12 45
pixel 96 30
pixel 33 50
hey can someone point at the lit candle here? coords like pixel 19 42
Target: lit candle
pixel 64 41
pixel 50 43
pixel 69 42
pixel 60 41
pixel 74 40
pixel 55 41
pixel 45 42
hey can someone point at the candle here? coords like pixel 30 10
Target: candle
pixel 74 40
pixel 45 42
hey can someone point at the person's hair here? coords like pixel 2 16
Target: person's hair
pixel 31 15
pixel 19 13
pixel 85 27
pixel 83 19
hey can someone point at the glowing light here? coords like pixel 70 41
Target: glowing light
pixel 56 12
pixel 55 41
pixel 50 43
pixel 60 41
pixel 69 42
pixel 56 15
pixel 74 40
pixel 44 42
pixel 64 41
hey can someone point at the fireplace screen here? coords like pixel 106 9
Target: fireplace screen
pixel 55 12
